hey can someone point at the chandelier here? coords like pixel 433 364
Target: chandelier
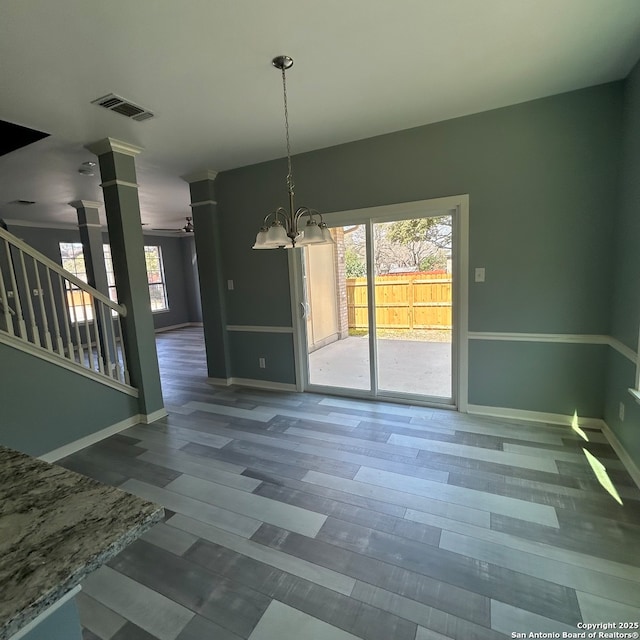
pixel 281 229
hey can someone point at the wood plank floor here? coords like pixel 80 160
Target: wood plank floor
pixel 306 516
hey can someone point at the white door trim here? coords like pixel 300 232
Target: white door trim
pixel 456 205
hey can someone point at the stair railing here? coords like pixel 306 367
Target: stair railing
pixel 46 306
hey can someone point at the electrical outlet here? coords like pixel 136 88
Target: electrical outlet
pixel 262 362
pixel 621 411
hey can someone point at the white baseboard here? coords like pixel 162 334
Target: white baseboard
pixel 152 417
pixel 533 416
pixel 182 325
pixel 264 384
pixel 220 382
pixel 255 384
pixel 92 438
pixel 625 458
pixel 561 419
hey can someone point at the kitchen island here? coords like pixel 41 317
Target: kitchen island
pixel 56 527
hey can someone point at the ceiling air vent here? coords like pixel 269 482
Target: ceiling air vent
pixel 123 107
pixel 24 203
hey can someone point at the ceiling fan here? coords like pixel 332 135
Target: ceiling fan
pixel 188 228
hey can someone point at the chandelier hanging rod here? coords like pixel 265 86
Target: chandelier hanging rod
pixel 280 228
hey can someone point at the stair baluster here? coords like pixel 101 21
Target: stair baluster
pixel 43 311
pixel 70 320
pixel 4 304
pixel 54 314
pixel 35 332
pixel 22 326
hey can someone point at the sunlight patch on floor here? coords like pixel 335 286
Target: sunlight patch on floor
pixel 603 477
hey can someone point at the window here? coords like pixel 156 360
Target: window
pixel 155 276
pixel 79 303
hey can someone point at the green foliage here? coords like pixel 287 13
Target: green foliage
pixel 407 231
pixel 436 231
pixel 425 242
pixel 355 266
pixel 433 262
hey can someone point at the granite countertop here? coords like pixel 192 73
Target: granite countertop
pixel 56 527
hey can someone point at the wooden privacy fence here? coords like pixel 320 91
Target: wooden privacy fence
pixel 403 301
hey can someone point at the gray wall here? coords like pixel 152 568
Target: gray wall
pixel 190 270
pixel 45 406
pixel 542 179
pixel 180 304
pixel 626 299
pixel 181 287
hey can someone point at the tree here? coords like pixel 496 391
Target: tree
pixel 354 264
pixel 422 244
pixel 426 241
pixel 437 231
pixel 435 261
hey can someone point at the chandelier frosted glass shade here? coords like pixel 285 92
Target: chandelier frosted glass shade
pixel 277 236
pixel 312 233
pixel 281 228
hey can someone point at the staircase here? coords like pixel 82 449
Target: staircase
pixel 50 313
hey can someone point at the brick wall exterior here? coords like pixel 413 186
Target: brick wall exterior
pixel 341 285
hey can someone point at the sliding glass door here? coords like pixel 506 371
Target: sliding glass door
pixel 413 306
pixel 380 308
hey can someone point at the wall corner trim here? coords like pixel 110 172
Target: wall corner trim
pixel 121 183
pixel 621 452
pixel 199 176
pixel 85 204
pixel 152 417
pixel 92 438
pixel 622 349
pixel 111 145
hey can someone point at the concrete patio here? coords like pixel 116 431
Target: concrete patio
pixel 407 366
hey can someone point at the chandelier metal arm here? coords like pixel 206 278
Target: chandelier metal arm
pixel 281 212
pixel 307 211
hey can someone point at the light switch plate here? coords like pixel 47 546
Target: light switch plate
pixel 480 274
pixel 230 285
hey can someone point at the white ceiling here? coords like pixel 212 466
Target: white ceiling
pixel 362 68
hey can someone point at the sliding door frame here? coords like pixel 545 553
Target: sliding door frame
pixel 458 208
